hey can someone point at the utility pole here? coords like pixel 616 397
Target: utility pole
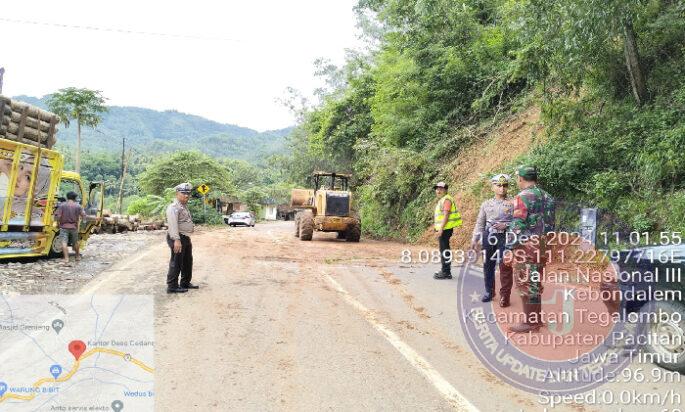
pixel 123 152
pixel 2 72
pixel 124 167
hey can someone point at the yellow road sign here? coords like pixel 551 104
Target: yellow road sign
pixel 203 189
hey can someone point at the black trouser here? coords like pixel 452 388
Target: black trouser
pixel 493 246
pixel 445 257
pixel 180 263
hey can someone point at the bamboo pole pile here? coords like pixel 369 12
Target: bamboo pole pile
pixel 27 124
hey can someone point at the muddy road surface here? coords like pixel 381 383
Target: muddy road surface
pixel 281 324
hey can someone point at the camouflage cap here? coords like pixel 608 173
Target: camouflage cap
pixel 184 188
pixel 527 172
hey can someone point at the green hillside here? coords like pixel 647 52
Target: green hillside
pixel 607 78
pixel 153 132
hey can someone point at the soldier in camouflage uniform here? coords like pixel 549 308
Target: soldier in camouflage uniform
pixel 533 218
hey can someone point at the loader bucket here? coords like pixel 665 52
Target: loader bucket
pixel 301 198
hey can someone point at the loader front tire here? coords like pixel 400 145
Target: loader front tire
pixel 354 232
pixel 306 225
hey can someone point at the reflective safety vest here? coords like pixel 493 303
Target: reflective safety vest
pixel 453 219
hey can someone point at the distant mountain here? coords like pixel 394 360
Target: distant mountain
pixel 153 131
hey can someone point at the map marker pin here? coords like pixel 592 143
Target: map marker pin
pixel 77 347
pixel 117 406
pixel 57 325
pixel 3 388
pixel 56 370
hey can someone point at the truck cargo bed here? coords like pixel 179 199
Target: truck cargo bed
pixel 23 123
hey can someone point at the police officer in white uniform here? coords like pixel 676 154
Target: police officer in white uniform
pixel 493 221
pixel 181 227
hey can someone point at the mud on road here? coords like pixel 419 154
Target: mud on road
pixel 282 324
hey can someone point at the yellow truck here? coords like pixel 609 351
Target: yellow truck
pixel 33 183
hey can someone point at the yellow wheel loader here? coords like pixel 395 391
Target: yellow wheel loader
pixel 326 208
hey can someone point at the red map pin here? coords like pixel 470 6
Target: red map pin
pixel 77 347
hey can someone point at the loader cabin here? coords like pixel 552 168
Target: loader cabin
pixel 332 189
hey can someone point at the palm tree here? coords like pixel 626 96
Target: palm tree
pixel 83 105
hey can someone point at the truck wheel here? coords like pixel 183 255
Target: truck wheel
pixel 306 225
pixel 56 247
pixel 668 342
pixel 354 232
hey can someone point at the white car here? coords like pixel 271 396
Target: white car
pixel 240 219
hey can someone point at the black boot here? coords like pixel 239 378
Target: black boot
pixel 488 296
pixel 176 290
pixel 442 275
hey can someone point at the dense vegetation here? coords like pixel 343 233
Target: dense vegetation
pixel 166 148
pixel 608 75
pixel 228 178
pixel 154 132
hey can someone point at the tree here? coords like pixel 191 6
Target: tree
pixel 82 105
pixel 150 205
pixel 244 174
pixel 633 63
pixel 574 40
pixel 189 166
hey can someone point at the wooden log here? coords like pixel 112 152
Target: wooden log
pixel 30 121
pixel 9 134
pixel 32 111
pixel 22 124
pixel 27 133
pixel 15 138
pixel 52 131
pixel 27 124
pixel 51 142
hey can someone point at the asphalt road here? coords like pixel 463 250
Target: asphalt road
pixel 281 324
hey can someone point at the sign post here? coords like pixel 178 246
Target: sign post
pixel 203 189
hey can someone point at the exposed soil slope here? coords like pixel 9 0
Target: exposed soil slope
pixel 493 151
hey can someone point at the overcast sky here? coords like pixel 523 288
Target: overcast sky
pixel 232 61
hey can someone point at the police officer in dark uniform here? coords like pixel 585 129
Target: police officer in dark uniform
pixel 181 227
